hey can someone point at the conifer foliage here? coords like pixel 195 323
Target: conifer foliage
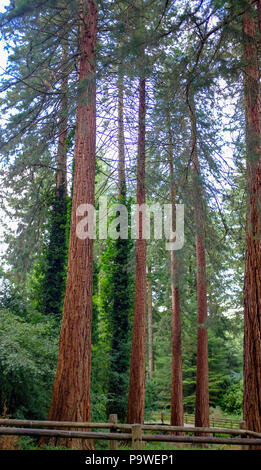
pixel 141 102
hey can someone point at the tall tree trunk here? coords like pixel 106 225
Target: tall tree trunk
pixel 61 172
pixel 177 411
pixel 119 354
pixel 150 325
pixel 121 143
pixel 202 390
pixel 259 19
pixel 71 390
pixel 252 282
pixel 54 282
pixel 136 401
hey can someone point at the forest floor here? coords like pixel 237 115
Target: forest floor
pixel 13 443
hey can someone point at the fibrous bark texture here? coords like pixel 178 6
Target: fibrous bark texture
pixel 71 390
pixel 252 282
pixel 177 411
pixel 202 388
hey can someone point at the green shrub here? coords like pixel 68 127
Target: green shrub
pixel 28 350
pixel 232 399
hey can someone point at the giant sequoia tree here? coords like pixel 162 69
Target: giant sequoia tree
pixel 252 286
pixel 71 390
pixel 202 393
pixel 177 412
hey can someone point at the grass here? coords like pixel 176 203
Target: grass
pixel 26 443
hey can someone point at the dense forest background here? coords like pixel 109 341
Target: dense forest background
pixel 191 57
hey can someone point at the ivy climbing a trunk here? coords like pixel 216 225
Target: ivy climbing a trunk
pixel 54 282
pixel 136 401
pixel 119 353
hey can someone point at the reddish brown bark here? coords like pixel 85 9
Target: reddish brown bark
pixel 71 390
pixel 136 400
pixel 202 391
pixel 252 282
pixel 150 326
pixel 177 411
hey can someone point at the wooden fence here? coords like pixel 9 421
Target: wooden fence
pixel 230 423
pixel 213 421
pixel 137 434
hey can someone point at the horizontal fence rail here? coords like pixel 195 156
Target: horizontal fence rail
pixel 61 424
pixel 146 427
pixel 136 433
pixel 213 421
pixel 224 422
pixel 10 431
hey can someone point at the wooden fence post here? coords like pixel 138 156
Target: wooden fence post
pixel 136 437
pixel 242 425
pixel 113 419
